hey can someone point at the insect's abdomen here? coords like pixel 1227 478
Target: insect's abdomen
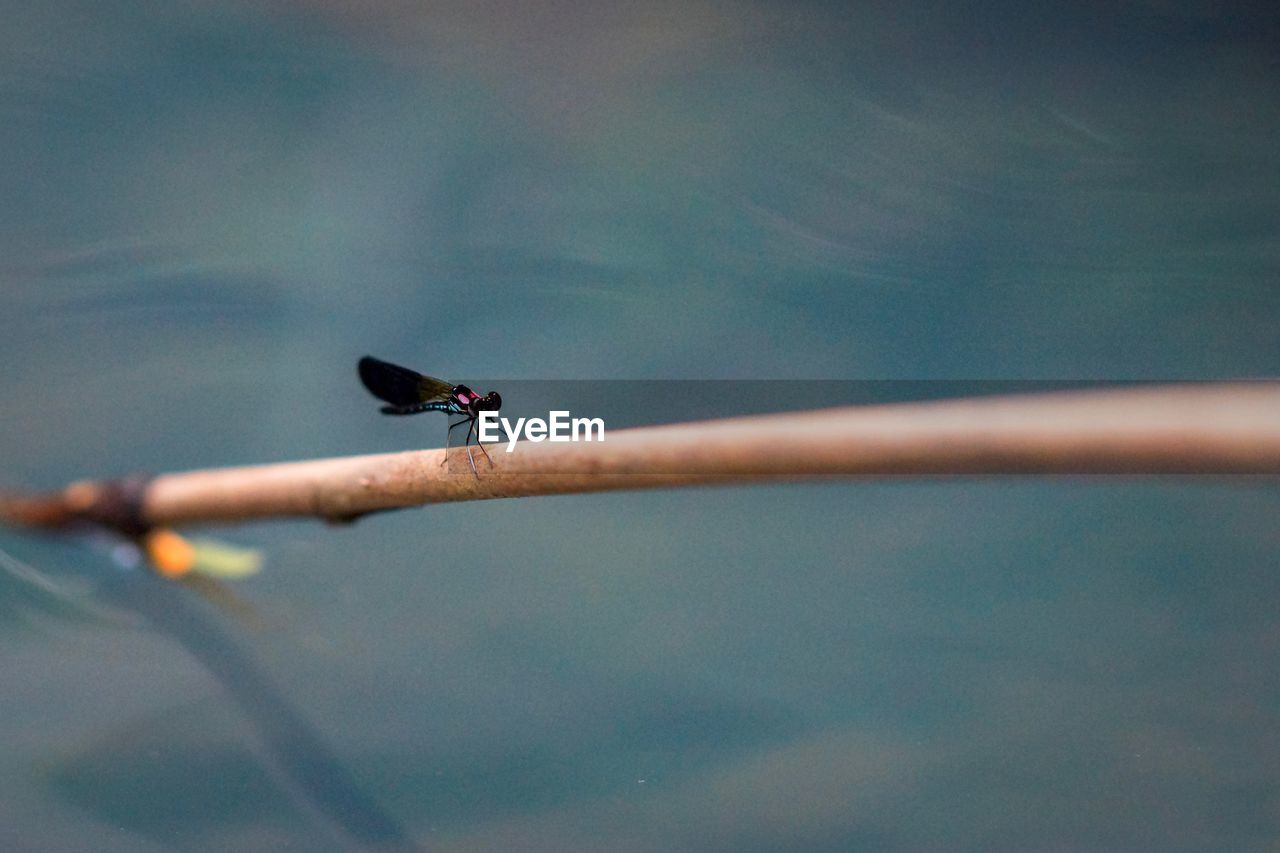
pixel 416 408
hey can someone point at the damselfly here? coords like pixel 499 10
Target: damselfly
pixel 409 392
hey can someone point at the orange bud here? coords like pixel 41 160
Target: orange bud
pixel 171 555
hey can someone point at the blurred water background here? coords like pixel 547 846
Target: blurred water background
pixel 210 210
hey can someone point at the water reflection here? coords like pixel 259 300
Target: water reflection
pixel 166 778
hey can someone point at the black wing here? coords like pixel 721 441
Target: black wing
pixel 401 386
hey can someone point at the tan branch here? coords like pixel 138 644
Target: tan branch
pixel 1225 428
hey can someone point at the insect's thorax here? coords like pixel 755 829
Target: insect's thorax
pixel 463 397
pixel 465 401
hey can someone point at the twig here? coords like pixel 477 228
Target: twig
pixel 1221 428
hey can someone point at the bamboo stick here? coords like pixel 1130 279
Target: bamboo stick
pixel 1211 428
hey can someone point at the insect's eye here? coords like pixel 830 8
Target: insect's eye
pixel 492 401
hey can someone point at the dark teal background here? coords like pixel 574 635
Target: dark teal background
pixel 209 211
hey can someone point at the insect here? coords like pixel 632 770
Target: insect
pixel 409 392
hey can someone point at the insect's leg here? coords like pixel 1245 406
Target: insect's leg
pixel 476 426
pixel 470 429
pixel 446 439
pixel 480 444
